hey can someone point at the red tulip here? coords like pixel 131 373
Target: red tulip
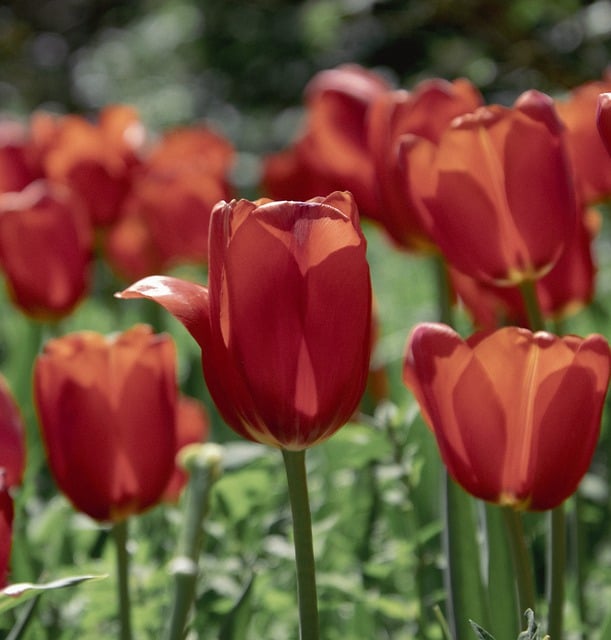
pixel 166 216
pixel 504 205
pixel 603 120
pixel 394 119
pixel 12 462
pixel 45 249
pixel 107 411
pixel 93 159
pixel 285 323
pixel 516 415
pixel 591 162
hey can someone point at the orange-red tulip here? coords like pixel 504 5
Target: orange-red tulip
pixel 332 151
pixel 516 415
pixel 504 203
pixel 166 216
pixel 394 118
pixel 591 162
pixel 285 323
pixel 12 462
pixel 45 249
pixel 93 159
pixel 107 411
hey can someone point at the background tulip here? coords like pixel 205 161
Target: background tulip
pixel 516 415
pixel 107 411
pixel 285 323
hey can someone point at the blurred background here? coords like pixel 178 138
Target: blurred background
pixel 243 65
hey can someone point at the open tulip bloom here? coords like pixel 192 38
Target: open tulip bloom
pixel 516 414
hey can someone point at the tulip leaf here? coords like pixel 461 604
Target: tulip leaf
pixel 481 634
pixel 466 593
pixel 18 593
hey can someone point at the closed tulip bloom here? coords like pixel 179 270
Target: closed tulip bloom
pixel 516 415
pixel 603 120
pixel 591 162
pixel 285 322
pixel 504 204
pixel 107 411
pixel 45 249
pixel 424 113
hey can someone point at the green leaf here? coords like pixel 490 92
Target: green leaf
pixel 482 634
pixel 16 594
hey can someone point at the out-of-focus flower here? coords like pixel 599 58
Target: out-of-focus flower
pixel 107 408
pixel 516 415
pixel 94 159
pixel 166 217
pixel 394 120
pixel 603 119
pixel 45 249
pixel 285 323
pixel 590 160
pixel 332 150
pixel 12 464
pixel 504 204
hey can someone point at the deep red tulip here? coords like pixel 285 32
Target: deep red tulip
pixel 12 463
pixel 285 323
pixel 516 415
pixel 332 151
pixel 45 249
pixel 107 411
pixel 166 216
pixel 423 113
pixel 591 162
pixel 504 203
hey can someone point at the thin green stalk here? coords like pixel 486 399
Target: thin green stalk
pixel 294 463
pixel 202 461
pixel 522 562
pixel 444 290
pixel 120 535
pixel 556 564
pixel 528 289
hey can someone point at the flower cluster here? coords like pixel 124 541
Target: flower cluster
pixel 70 188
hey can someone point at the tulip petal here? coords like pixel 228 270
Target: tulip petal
pixel 186 301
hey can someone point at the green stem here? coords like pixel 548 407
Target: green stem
pixel 119 532
pixel 203 464
pixel 557 563
pixel 522 563
pixel 444 290
pixel 528 289
pixel 294 463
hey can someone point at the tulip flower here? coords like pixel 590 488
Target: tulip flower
pixel 332 151
pixel 285 322
pixel 166 216
pixel 394 119
pixel 590 160
pixel 107 411
pixel 504 206
pixel 45 249
pixel 516 414
pixel 95 160
pixel 12 463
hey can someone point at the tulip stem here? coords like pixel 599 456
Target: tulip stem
pixel 202 461
pixel 119 532
pixel 528 289
pixel 522 563
pixel 557 563
pixel 294 463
